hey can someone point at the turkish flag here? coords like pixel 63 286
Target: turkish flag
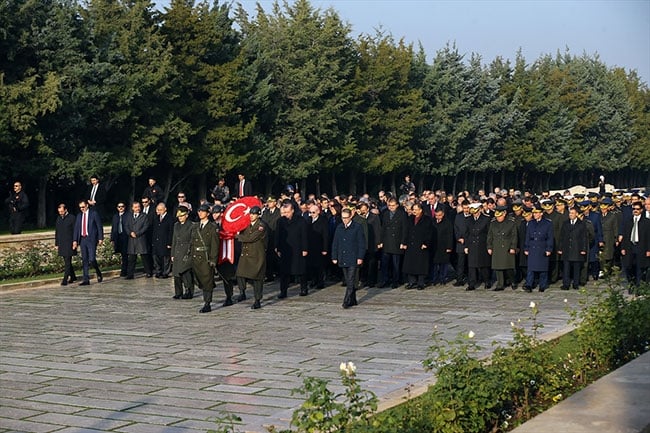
pixel 235 219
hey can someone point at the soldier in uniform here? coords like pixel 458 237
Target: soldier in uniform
pixel 226 270
pixel 538 246
pixel 610 225
pixel 252 262
pixel 593 269
pixel 522 258
pixel 554 260
pixel 502 246
pixel 205 247
pixel 181 255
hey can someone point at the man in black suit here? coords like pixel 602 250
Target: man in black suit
pixel 153 192
pixel 572 249
pixel 88 233
pixel 394 229
pixel 161 246
pixel 635 245
pixel 244 188
pixel 120 237
pixel 63 236
pixel 96 195
pixel 460 226
pixel 148 211
pixel 291 246
pixel 369 269
pixel 18 203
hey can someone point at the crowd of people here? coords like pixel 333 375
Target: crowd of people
pixel 496 240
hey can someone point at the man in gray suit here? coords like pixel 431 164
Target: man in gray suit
pixel 136 225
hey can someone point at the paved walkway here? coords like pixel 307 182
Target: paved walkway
pixel 124 357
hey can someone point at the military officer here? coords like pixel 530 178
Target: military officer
pixel 252 262
pixel 181 255
pixel 610 223
pixel 538 246
pixel 502 246
pixel 205 247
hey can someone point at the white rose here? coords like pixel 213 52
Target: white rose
pixel 342 366
pixel 532 304
pixel 351 368
pixel 471 334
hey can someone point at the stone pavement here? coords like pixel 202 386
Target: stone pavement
pixel 124 357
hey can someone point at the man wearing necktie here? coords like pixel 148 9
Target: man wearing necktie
pixel 635 246
pixel 88 233
pixel 244 187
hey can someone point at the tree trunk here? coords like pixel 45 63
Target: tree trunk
pixel 202 187
pixel 168 185
pixel 453 185
pixel 503 179
pixel 364 180
pixel 352 188
pixel 132 197
pixel 318 185
pixel 303 188
pixel 393 186
pixel 41 211
pixel 334 187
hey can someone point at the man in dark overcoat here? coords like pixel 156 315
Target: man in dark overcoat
pixel 460 227
pixel 205 249
pixel 502 247
pixel 318 240
pixel 420 240
pixel 348 251
pixel 573 249
pixel 394 229
pixel 610 223
pixel 538 246
pixel 635 246
pixel 63 238
pixel 252 262
pixel 136 225
pixel 161 241
pixel 271 216
pixel 181 255
pixel 368 272
pixel 443 247
pixel 292 248
pixel 478 259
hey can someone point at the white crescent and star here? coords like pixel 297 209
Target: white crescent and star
pixel 229 212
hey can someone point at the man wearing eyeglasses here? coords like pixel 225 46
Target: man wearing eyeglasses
pixel 318 246
pixel 88 233
pixel 635 246
pixel 18 203
pixel 119 236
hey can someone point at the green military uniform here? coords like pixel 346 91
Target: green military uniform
pixel 181 254
pixel 501 239
pixel 252 262
pixel 204 248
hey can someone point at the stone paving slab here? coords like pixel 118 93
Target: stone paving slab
pixel 123 356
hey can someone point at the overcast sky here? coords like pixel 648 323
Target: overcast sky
pixel 618 31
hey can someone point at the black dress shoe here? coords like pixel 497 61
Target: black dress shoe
pixel 528 289
pixel 100 278
pixel 227 303
pixel 541 290
pixel 163 276
pixel 256 305
pixel 206 309
pixel 177 296
pixel 498 289
pixel 64 283
pixel 458 284
pixel 488 287
pixel 346 305
pixel 148 275
pixel 394 285
pixel 470 288
pixel 241 297
pixel 304 292
pixel 564 287
pixel 382 285
pixel 420 287
pixel 72 280
pixel 282 296
pixel 187 296
pixel 85 283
